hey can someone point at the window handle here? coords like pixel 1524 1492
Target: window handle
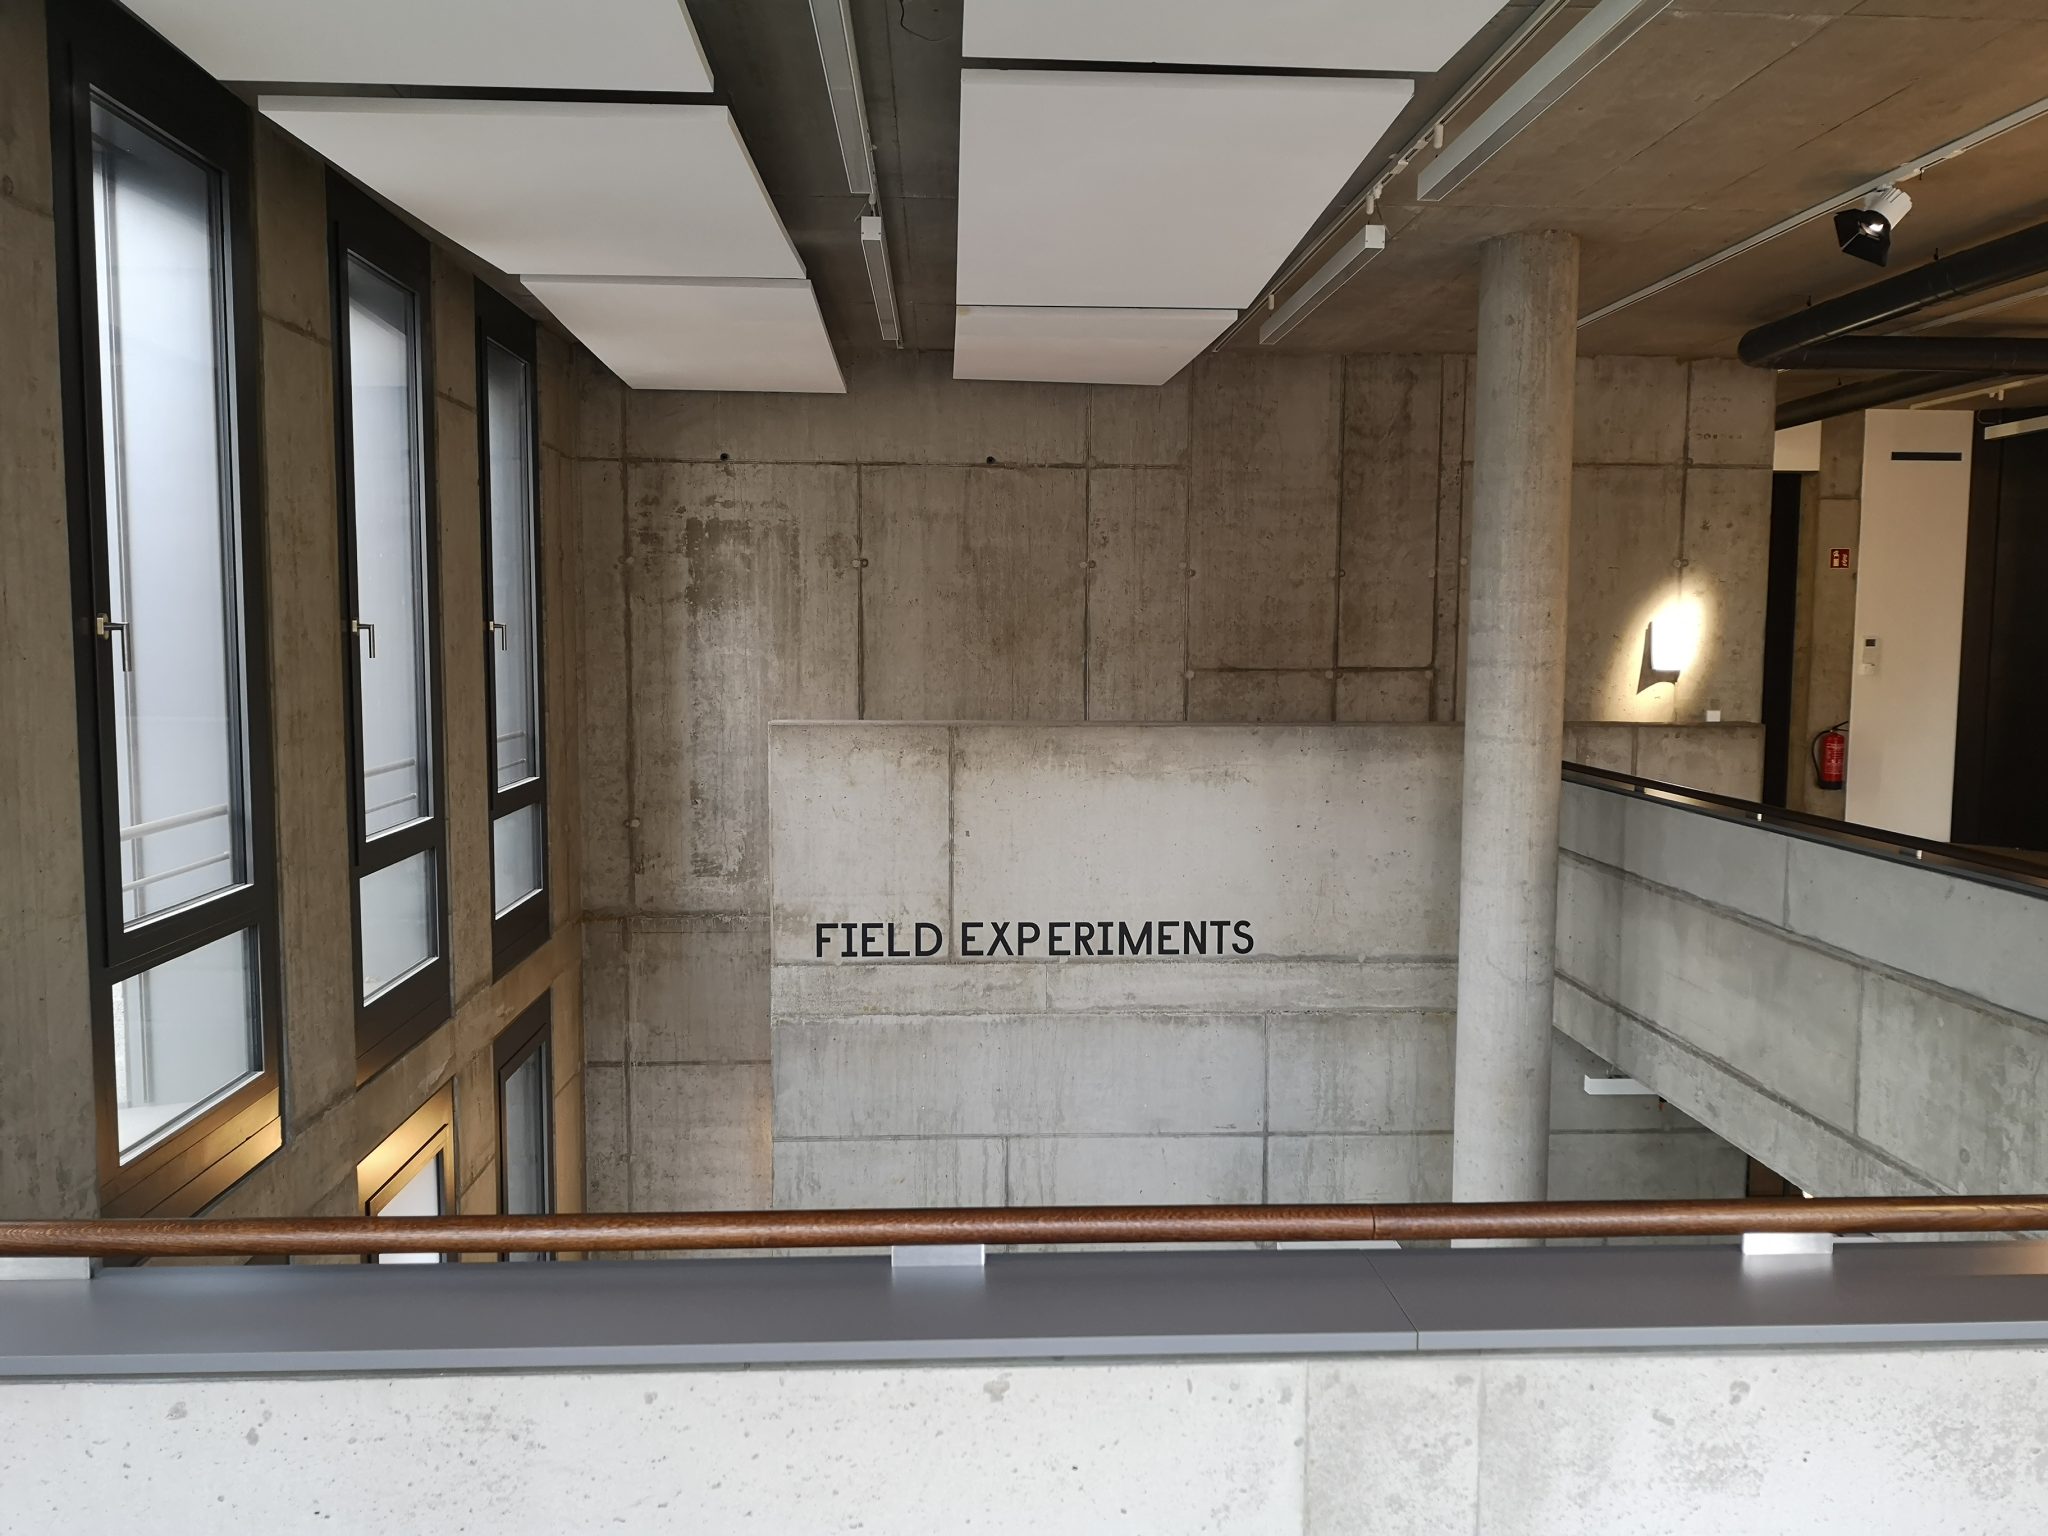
pixel 358 627
pixel 492 626
pixel 106 626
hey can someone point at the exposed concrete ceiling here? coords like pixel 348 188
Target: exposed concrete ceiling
pixel 1718 119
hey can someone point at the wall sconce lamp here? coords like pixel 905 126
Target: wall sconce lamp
pixel 1671 643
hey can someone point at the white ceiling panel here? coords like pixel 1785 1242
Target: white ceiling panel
pixel 1149 191
pixel 1081 346
pixel 564 45
pixel 1394 36
pixel 732 334
pixel 606 189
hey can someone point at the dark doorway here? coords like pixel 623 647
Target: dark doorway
pixel 2001 726
pixel 1781 627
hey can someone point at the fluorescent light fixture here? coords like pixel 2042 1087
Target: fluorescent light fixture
pixel 1360 249
pixel 842 85
pixel 1606 28
pixel 874 251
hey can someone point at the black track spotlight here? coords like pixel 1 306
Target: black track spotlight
pixel 1865 232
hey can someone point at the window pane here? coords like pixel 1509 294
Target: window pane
pixel 526 1138
pixel 390 547
pixel 184 1034
pixel 400 922
pixel 420 1196
pixel 515 866
pixel 174 580
pixel 515 608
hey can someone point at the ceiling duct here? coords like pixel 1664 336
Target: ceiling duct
pixel 1866 396
pixel 1992 265
pixel 1924 354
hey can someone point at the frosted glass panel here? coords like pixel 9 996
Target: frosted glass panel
pixel 185 1033
pixel 399 913
pixel 515 868
pixel 174 609
pixel 390 548
pixel 515 606
pixel 420 1196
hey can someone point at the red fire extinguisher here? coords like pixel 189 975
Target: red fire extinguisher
pixel 1831 756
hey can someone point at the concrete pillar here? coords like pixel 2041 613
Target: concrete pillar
pixel 1514 715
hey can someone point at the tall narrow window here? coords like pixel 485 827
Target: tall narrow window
pixel 412 1172
pixel 399 840
pixel 510 457
pixel 152 181
pixel 526 1162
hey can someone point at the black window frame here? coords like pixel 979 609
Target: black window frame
pixel 390 1024
pixel 99 51
pixel 426 1133
pixel 521 931
pixel 531 1034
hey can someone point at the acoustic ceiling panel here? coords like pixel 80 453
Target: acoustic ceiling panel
pixel 564 45
pixel 1390 36
pixel 730 335
pixel 605 189
pixel 1081 346
pixel 1149 191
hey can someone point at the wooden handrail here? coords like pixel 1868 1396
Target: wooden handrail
pixel 1120 1224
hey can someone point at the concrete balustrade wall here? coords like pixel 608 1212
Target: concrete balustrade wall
pixel 1865 1026
pixel 1275 539
pixel 1693 1443
pixel 1315 1067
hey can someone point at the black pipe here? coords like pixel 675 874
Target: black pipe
pixel 1923 354
pixel 1997 262
pixel 1870 394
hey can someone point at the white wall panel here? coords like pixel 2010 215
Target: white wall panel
pixel 727 335
pixel 1390 35
pixel 1149 191
pixel 591 45
pixel 599 188
pixel 1081 346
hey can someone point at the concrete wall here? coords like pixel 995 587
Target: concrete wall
pixel 1862 1026
pixel 47 1153
pixel 1317 1067
pixel 1909 599
pixel 1691 1444
pixel 1274 539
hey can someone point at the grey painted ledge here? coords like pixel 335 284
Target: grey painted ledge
pixel 273 1320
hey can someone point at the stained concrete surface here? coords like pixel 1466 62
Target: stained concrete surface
pixel 1862 1026
pixel 1691 1442
pixel 1316 1068
pixel 1194 574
